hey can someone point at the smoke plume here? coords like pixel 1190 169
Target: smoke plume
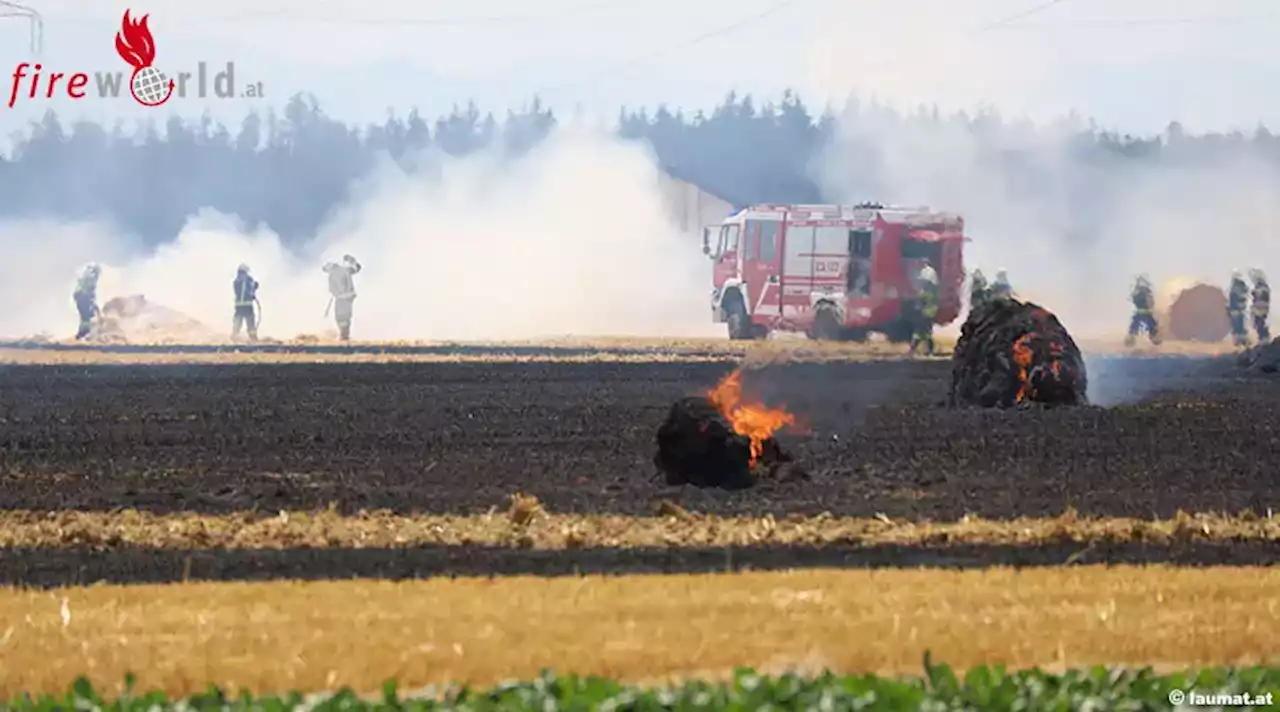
pixel 1072 225
pixel 571 239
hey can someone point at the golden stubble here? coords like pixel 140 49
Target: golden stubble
pixel 312 636
pixel 524 523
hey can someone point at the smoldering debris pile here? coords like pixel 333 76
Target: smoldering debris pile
pixel 1263 358
pixel 1013 353
pixel 716 440
pixel 1191 310
pixel 132 319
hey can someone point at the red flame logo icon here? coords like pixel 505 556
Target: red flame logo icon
pixel 148 85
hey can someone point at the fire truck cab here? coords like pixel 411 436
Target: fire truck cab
pixel 831 271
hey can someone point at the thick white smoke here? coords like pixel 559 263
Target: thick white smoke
pixel 1076 254
pixel 1073 232
pixel 572 239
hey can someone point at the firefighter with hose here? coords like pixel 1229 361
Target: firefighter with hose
pixel 342 291
pixel 246 289
pixel 1144 303
pixel 1237 301
pixel 1261 305
pixel 86 298
pixel 923 310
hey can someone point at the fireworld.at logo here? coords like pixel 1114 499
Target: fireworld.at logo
pixel 147 84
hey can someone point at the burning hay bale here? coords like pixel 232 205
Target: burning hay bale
pixel 1193 311
pixel 717 440
pixel 1013 353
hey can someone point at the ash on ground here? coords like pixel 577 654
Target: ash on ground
pixel 1013 353
pixel 698 446
pixel 1263 358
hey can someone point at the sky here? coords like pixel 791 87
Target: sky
pixel 1132 65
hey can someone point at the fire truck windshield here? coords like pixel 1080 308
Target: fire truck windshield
pixel 727 243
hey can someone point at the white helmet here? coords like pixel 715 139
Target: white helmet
pixel 93 268
pixel 243 268
pixel 1257 276
pixel 1235 276
pixel 928 275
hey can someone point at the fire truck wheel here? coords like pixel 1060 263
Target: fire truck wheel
pixel 826 324
pixel 738 321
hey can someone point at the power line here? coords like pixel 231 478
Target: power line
pixel 1011 19
pixel 1146 22
pixel 696 40
pixel 1007 21
pixel 297 17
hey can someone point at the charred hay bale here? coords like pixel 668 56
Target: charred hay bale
pixel 697 445
pixel 1263 358
pixel 1016 353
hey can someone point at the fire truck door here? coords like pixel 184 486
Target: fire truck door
pixel 760 269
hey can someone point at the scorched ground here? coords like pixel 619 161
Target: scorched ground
pixel 461 438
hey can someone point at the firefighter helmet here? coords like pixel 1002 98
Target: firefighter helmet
pixel 928 276
pixel 1258 277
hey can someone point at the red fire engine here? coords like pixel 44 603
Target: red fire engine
pixel 831 271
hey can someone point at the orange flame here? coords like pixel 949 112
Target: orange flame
pixel 1022 356
pixel 754 420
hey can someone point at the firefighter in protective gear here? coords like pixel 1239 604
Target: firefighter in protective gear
pixel 923 310
pixel 1261 307
pixel 979 292
pixel 1001 287
pixel 343 289
pixel 86 298
pixel 1237 302
pixel 246 289
pixel 1144 319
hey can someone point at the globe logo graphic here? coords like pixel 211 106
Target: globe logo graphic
pixel 150 86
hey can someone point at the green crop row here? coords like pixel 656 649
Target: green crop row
pixel 985 688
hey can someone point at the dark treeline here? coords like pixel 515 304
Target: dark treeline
pixel 288 170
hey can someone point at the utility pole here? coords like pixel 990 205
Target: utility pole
pixel 8 8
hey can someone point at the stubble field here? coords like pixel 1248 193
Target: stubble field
pixel 503 462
